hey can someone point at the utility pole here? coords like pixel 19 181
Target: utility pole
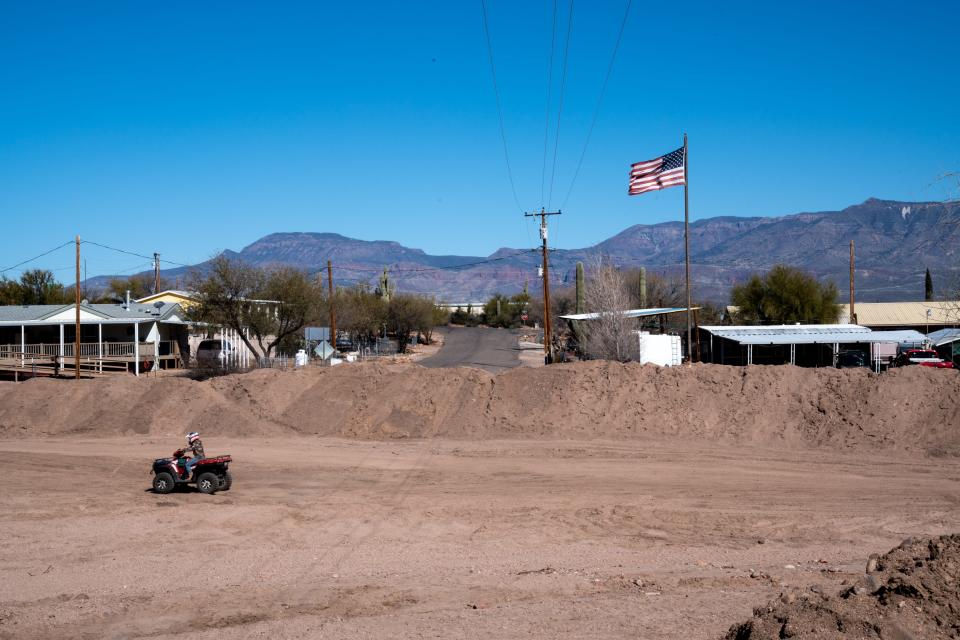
pixel 156 273
pixel 333 312
pixel 76 345
pixel 547 323
pixel 853 314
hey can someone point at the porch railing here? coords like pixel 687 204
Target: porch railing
pixel 89 349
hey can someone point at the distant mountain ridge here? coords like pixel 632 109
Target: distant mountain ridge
pixel 895 243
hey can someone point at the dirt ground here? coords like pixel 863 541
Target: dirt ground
pixel 441 538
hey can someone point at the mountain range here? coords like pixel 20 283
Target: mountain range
pixel 895 243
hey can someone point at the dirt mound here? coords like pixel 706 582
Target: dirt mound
pixel 912 409
pixel 911 592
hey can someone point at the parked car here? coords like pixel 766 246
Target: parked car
pixel 922 357
pixel 851 359
pixel 214 351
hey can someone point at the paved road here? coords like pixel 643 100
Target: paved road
pixel 495 350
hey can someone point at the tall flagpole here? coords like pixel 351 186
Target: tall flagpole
pixel 686 243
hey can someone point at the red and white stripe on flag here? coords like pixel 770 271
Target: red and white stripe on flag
pixel 652 175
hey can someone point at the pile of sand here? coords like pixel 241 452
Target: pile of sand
pixel 914 408
pixel 911 592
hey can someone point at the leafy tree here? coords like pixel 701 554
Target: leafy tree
pixel 39 286
pixel 785 295
pixel 406 314
pixel 269 304
pixel 10 291
pixel 139 286
pixel 501 311
pixel 928 287
pixel 361 313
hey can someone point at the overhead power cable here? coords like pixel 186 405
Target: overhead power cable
pixel 563 86
pixel 496 92
pixel 596 110
pixel 132 253
pixel 546 117
pixel 45 253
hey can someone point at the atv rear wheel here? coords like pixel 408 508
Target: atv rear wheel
pixel 208 483
pixel 225 482
pixel 163 482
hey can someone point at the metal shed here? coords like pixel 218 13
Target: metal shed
pixel 805 345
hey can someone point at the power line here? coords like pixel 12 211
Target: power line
pixel 496 92
pixel 546 117
pixel 563 86
pixel 133 253
pixel 45 253
pixel 596 111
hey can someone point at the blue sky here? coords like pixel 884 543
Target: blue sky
pixel 188 128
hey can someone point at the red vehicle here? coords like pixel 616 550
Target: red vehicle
pixel 209 474
pixel 922 357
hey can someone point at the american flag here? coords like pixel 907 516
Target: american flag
pixel 659 173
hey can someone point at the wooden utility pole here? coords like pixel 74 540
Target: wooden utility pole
pixel 853 313
pixel 686 243
pixel 76 344
pixel 547 323
pixel 156 273
pixel 333 312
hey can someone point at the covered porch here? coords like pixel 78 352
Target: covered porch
pixel 107 346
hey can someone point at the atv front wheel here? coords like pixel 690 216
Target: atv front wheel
pixel 208 483
pixel 163 482
pixel 225 482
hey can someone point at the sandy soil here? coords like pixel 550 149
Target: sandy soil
pixel 332 538
pixel 914 409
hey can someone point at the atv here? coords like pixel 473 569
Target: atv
pixel 209 474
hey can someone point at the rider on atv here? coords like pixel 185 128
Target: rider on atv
pixel 195 446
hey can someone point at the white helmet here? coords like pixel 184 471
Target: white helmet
pixel 192 437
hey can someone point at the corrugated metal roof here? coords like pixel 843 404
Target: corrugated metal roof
pixel 943 336
pixel 631 313
pixel 812 334
pixel 894 314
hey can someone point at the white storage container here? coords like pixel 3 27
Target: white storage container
pixel 659 349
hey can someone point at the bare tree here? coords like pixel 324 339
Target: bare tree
pixel 609 337
pixel 271 305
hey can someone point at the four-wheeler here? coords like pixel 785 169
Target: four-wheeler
pixel 922 357
pixel 209 474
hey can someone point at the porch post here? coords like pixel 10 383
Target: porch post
pixel 136 349
pixel 100 346
pixel 61 343
pixel 23 340
pixel 156 346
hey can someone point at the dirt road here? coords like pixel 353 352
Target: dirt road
pixel 325 538
pixel 493 350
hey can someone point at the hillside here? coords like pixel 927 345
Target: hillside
pixel 896 242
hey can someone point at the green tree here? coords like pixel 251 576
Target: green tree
pixel 406 314
pixel 361 313
pixel 139 286
pixel 928 287
pixel 785 295
pixel 10 291
pixel 39 286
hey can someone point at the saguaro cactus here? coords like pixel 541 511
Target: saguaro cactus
pixel 643 287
